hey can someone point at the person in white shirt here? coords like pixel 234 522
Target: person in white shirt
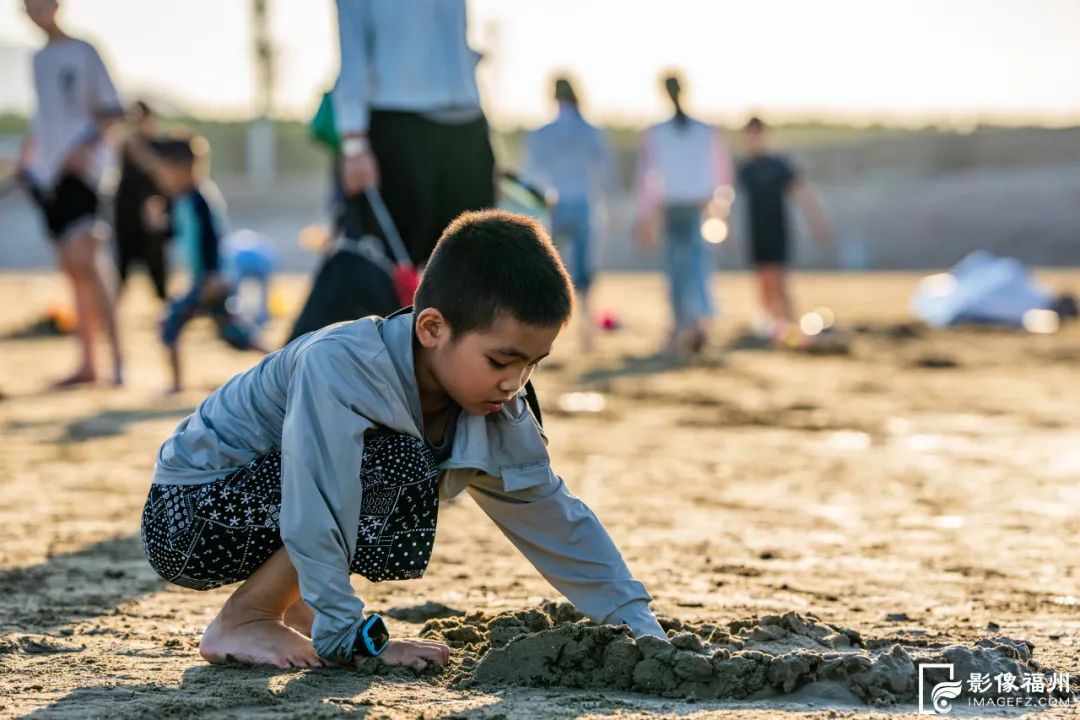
pixel 574 158
pixel 62 161
pixel 407 110
pixel 682 166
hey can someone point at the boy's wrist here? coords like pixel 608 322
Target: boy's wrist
pixel 372 637
pixel 639 617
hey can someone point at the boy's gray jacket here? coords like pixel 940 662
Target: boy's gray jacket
pixel 316 398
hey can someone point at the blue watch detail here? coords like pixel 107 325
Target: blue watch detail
pixel 372 637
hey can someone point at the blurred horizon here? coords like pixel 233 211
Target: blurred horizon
pixel 835 62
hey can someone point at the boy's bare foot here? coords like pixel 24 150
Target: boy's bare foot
pixel 256 641
pixel 300 617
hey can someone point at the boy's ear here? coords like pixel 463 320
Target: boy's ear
pixel 431 327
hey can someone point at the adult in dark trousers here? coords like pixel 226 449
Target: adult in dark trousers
pixel 407 110
pixel 138 236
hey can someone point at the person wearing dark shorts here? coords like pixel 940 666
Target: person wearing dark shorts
pixel 63 158
pixel 766 179
pixel 70 208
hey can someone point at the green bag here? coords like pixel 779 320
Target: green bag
pixel 322 125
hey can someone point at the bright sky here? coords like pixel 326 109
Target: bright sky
pixel 899 60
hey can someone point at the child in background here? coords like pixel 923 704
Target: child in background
pixel 766 178
pixel 331 455
pixel 197 220
pixel 62 160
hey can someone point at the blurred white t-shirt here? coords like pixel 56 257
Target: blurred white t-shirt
pixel 682 163
pixel 73 90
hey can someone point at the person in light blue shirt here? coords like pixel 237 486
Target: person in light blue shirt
pixel 573 158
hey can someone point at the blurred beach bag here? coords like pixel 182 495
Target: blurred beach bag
pixel 366 273
pixel 368 270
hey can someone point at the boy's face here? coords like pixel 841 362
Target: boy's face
pixel 482 369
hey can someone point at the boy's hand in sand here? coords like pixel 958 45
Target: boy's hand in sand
pixel 415 653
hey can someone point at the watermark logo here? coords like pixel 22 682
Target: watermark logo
pixel 942 692
pixel 1003 690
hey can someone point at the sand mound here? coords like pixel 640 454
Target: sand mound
pixel 745 659
pixel 423 612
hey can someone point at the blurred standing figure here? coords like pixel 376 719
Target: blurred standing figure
pixel 63 158
pixel 682 163
pixel 136 237
pixel 573 157
pixel 767 178
pixel 407 110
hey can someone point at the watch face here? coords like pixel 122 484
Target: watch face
pixel 375 634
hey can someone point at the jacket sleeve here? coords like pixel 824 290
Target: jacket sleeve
pixel 350 95
pixel 321 451
pixel 566 543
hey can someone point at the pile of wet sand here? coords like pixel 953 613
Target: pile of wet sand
pixel 759 658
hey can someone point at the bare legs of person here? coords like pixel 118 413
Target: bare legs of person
pixel 776 300
pixel 585 321
pixel 82 259
pixel 173 353
pixel 266 622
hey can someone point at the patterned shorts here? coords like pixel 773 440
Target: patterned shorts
pixel 205 536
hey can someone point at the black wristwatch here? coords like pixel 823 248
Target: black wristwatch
pixel 371 638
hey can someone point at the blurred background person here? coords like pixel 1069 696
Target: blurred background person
pixel 137 203
pixel 682 163
pixel 198 224
pixel 574 159
pixel 63 159
pixel 407 111
pixel 767 179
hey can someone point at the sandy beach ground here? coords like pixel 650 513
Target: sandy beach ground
pixel 923 489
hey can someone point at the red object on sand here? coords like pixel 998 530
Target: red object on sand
pixel 609 321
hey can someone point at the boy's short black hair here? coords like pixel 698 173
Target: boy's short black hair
pixel 755 124
pixel 494 262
